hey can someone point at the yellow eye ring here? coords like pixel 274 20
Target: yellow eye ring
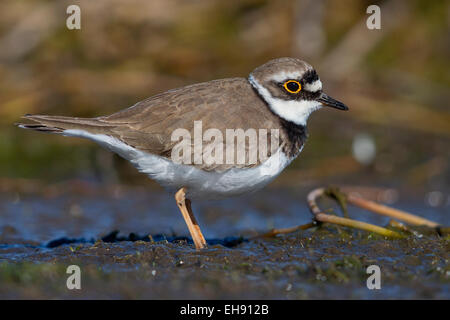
pixel 292 86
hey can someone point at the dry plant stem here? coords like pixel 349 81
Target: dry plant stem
pixel 185 207
pixel 399 226
pixel 390 212
pixel 274 232
pixel 323 217
pixel 404 228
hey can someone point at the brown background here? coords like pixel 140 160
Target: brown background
pixel 395 80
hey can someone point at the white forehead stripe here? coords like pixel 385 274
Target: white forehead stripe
pixel 283 76
pixel 314 87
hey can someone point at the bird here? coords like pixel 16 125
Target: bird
pixel 276 97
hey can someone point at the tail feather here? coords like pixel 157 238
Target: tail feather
pixel 58 124
pixel 40 127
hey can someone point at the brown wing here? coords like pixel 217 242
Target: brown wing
pixel 219 104
pixel 149 124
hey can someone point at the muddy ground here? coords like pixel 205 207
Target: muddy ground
pixel 43 232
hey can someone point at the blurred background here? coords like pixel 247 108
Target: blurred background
pixel 393 144
pixel 395 81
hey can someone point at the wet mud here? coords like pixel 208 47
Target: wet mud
pixel 152 256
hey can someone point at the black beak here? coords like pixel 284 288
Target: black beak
pixel 328 101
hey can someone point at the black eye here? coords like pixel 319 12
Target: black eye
pixel 292 86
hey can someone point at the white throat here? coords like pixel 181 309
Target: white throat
pixel 294 111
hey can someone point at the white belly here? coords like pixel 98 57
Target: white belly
pixel 199 183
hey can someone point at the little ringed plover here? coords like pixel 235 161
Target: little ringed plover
pixel 279 95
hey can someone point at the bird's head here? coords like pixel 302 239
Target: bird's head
pixel 292 89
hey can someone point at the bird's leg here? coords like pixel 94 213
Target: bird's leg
pixel 199 233
pixel 186 210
